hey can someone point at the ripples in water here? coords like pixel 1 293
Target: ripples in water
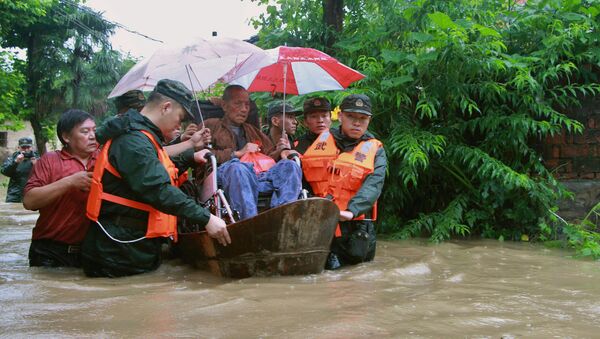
pixel 485 289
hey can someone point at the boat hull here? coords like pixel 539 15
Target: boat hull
pixel 291 239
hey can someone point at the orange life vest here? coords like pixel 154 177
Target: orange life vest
pixel 339 175
pixel 316 160
pixel 348 172
pixel 159 224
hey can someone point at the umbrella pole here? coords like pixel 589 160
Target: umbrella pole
pixel 187 69
pixel 197 104
pixel 283 133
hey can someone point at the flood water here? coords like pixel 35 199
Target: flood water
pixel 412 289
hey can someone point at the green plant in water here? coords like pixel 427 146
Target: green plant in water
pixel 583 236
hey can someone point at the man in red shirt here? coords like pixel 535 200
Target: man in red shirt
pixel 58 188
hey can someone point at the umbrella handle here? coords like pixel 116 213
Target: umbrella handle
pixel 201 120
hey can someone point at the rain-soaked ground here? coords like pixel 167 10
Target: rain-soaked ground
pixel 480 289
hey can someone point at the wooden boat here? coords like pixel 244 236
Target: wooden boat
pixel 291 239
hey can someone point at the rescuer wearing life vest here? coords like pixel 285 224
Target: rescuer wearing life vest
pixel 317 119
pixel 348 165
pixel 134 200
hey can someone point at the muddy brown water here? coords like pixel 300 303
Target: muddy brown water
pixel 472 289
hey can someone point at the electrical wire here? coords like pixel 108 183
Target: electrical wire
pixel 80 24
pixel 99 16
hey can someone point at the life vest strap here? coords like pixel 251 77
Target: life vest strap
pixel 112 170
pixel 126 202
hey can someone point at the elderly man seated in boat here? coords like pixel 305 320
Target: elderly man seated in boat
pixel 249 162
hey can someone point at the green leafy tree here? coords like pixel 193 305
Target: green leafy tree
pixel 462 92
pixel 12 91
pixel 61 39
pixel 95 80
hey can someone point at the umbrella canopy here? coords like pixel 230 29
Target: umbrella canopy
pixel 197 65
pixel 305 70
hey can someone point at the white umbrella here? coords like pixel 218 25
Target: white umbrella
pixel 197 65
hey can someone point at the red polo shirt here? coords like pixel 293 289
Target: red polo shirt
pixel 63 220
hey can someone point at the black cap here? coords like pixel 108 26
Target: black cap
pixel 277 108
pixel 357 103
pixel 178 92
pixel 25 141
pixel 317 105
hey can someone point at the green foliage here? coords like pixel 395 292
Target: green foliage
pixel 12 91
pixel 440 225
pixel 25 11
pixel 462 91
pixel 294 22
pixel 69 62
pixel 583 236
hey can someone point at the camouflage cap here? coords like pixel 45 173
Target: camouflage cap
pixel 357 103
pixel 178 92
pixel 131 99
pixel 317 105
pixel 25 142
pixel 277 108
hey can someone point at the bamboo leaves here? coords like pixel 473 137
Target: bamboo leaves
pixel 415 147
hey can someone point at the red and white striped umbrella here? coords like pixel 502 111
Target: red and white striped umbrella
pixel 292 70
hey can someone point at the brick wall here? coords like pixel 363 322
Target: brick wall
pixel 575 160
pixel 576 156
